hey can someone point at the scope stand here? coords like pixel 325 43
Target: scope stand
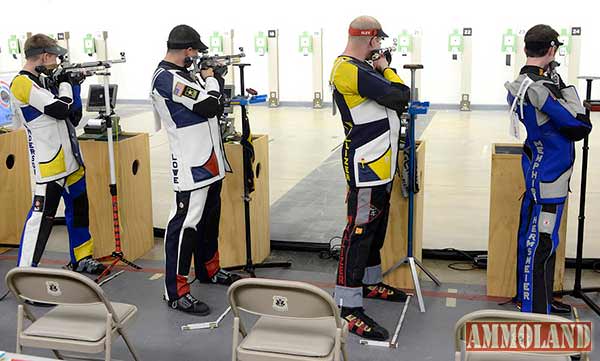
pixel 410 259
pixel 248 175
pixel 117 255
pixel 578 291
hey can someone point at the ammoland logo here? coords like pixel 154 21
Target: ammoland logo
pixel 529 336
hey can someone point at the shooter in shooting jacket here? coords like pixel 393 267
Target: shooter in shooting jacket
pixel 189 108
pixel 369 97
pixel 50 109
pixel 554 119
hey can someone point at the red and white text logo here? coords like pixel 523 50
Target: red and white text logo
pixel 529 336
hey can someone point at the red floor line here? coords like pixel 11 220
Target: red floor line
pixel 118 267
pixel 435 294
pixel 427 293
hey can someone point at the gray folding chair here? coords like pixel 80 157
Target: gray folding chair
pixel 501 315
pixel 84 320
pixel 297 321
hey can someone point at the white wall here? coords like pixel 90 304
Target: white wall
pixel 141 27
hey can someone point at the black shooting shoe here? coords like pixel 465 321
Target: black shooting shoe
pixel 381 291
pixel 362 325
pixel 560 307
pixel 87 265
pixel 223 277
pixel 189 304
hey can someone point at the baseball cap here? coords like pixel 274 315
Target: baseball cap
pixel 183 37
pixel 541 37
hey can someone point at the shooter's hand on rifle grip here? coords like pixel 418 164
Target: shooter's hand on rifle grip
pixel 63 77
pixel 381 64
pixel 208 72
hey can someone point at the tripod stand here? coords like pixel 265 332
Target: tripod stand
pixel 415 108
pixel 578 291
pixel 248 175
pixel 117 255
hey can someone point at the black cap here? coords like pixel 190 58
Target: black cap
pixel 55 49
pixel 541 37
pixel 183 37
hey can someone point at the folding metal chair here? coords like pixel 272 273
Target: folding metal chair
pixel 297 321
pixel 500 315
pixel 84 320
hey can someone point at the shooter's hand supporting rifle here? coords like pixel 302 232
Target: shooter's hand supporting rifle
pixel 75 79
pixel 554 75
pixel 218 63
pixel 207 72
pixel 381 63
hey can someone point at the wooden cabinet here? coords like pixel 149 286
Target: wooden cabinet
pixel 132 161
pixel 15 185
pixel 506 190
pixel 395 245
pixel 232 231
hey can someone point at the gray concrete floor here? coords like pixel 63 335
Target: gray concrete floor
pixel 310 261
pixel 157 335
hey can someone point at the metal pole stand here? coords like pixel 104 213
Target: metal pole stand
pixel 206 325
pixel 117 255
pixel 414 109
pixel 393 343
pixel 578 291
pixel 248 159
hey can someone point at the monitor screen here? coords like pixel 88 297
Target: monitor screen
pixel 96 102
pixel 228 93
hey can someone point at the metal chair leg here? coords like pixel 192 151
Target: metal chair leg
pixel 344 353
pixel 133 352
pixel 19 328
pixel 108 336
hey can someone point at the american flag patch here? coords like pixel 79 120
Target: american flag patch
pixel 179 88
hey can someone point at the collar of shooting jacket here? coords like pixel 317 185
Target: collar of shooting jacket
pixel 350 57
pixel 182 71
pixel 532 69
pixel 32 76
pixel 169 65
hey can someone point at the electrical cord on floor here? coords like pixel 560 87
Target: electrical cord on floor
pixel 477 262
pixel 334 249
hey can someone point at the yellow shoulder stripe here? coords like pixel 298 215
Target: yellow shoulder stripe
pixel 21 88
pixel 391 75
pixel 344 77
